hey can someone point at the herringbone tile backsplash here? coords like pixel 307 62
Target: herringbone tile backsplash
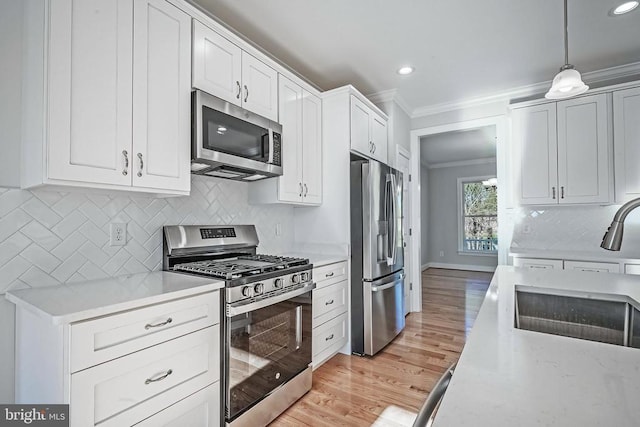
pixel 48 237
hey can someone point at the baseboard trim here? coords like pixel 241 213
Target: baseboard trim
pixel 466 267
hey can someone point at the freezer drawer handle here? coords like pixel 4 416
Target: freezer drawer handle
pixel 160 378
pixel 157 325
pixel 328 302
pixel 383 287
pixel 329 338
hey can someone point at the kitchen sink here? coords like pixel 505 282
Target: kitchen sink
pixel 609 319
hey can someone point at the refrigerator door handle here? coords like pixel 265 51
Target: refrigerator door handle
pixel 394 225
pixel 388 212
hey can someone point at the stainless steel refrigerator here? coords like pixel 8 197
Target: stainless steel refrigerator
pixel 377 275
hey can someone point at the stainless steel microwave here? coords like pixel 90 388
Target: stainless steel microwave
pixel 231 142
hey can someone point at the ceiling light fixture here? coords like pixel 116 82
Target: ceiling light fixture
pixel 624 8
pixel 405 70
pixel 567 82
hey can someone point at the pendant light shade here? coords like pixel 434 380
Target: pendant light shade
pixel 567 82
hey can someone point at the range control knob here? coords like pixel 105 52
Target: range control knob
pixel 246 291
pixel 277 283
pixel 295 279
pixel 304 276
pixel 257 289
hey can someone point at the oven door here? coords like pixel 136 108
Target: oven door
pixel 266 347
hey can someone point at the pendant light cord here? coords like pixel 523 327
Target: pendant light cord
pixel 566 34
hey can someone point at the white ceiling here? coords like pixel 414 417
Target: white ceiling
pixel 458 146
pixel 461 49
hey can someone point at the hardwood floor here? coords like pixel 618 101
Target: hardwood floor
pixel 355 391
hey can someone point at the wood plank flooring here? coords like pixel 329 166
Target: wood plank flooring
pixel 356 391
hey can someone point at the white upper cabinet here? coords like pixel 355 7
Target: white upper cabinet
pixel 217 64
pixel 563 152
pixel 368 131
pixel 626 130
pixel 223 69
pixel 117 97
pixel 535 149
pixel 301 181
pixel 90 84
pixel 161 96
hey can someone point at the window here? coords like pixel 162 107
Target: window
pixel 478 229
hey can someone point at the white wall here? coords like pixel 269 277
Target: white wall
pixel 399 128
pixel 10 91
pixel 424 209
pixel 48 237
pixel 443 218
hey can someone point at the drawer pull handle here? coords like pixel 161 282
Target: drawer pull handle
pixel 330 337
pixel 160 378
pixel 157 325
pixel 329 274
pixel 328 302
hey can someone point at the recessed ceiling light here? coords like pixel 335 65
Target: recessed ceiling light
pixel 405 70
pixel 625 7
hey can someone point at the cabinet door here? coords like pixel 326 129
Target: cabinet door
pixel 290 187
pixel 312 148
pixel 379 137
pixel 360 137
pixel 259 87
pixel 583 150
pixel 90 83
pixel 626 131
pixel 535 151
pixel 161 96
pixel 217 64
pixel 538 263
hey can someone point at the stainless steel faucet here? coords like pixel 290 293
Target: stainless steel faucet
pixel 612 239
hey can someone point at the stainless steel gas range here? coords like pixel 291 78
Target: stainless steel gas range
pixel 267 323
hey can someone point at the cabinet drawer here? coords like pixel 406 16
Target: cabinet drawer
pixel 99 340
pixel 538 263
pixel 596 267
pixel 329 301
pixel 330 274
pixel 329 338
pixel 632 269
pixel 129 389
pixel 201 409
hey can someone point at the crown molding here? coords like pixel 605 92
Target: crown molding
pixel 592 78
pixel 391 95
pixel 484 161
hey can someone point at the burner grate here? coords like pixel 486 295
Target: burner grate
pixel 242 266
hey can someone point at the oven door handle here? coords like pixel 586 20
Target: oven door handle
pixel 234 310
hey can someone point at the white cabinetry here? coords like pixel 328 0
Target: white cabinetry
pixel 626 130
pixel 330 311
pixel 564 264
pixel 122 368
pixel 368 131
pixel 301 182
pixel 563 151
pixel 223 69
pixel 538 263
pixel 116 95
pixel 594 267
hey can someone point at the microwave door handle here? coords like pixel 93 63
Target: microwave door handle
pixel 271 147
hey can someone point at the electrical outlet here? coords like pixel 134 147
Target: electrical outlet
pixel 441 253
pixel 117 234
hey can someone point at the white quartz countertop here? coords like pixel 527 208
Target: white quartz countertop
pixel 511 377
pixel 596 256
pixel 85 300
pixel 318 260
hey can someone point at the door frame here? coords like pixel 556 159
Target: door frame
pixel 403 152
pixel 504 233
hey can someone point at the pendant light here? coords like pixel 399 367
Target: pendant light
pixel 567 82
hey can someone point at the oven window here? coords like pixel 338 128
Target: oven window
pixel 267 347
pixel 230 135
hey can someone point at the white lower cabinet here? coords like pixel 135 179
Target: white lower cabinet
pixel 574 265
pixel 330 311
pixel 157 365
pixel 538 263
pixel 595 267
pixel 201 409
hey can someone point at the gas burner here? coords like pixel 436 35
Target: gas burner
pixel 242 266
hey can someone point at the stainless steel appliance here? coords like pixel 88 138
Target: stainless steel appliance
pixel 377 275
pixel 266 337
pixel 231 142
